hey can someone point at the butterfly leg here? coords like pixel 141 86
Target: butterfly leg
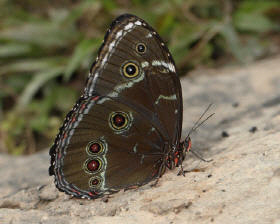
pixel 182 171
pixel 179 157
pixel 154 184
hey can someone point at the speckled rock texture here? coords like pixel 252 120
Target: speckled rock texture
pixel 240 185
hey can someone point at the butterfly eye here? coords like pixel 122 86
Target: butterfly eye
pixel 119 120
pixel 92 165
pixel 141 48
pixel 130 70
pixel 95 182
pixel 95 147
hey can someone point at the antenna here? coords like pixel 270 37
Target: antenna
pixel 187 141
pixel 197 124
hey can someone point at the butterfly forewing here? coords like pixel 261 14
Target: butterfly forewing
pixel 156 88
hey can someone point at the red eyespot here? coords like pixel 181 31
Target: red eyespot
pixel 95 182
pixel 95 148
pixel 93 165
pixel 119 120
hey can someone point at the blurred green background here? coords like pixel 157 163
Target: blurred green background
pixel 47 48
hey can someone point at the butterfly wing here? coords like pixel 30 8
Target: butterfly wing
pixel 126 157
pixel 134 77
pixel 158 91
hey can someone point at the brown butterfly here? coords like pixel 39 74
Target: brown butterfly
pixel 126 127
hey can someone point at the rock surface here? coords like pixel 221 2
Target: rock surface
pixel 240 185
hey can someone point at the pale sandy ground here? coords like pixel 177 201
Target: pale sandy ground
pixel 240 185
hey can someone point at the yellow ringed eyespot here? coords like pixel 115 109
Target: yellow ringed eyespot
pixel 141 48
pixel 95 147
pixel 130 70
pixel 93 165
pixel 95 182
pixel 119 120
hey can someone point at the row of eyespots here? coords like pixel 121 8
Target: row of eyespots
pixel 96 149
pixel 130 69
pixel 95 163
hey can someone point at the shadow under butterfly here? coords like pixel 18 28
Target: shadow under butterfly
pixel 125 130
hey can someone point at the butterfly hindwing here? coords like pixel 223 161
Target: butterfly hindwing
pixel 129 156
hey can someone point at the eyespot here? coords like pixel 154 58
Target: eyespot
pixel 130 70
pixel 141 48
pixel 93 165
pixel 119 121
pixel 95 182
pixel 95 148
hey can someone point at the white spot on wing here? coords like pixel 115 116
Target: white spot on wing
pixel 167 65
pixel 112 45
pixel 151 130
pixel 156 63
pixel 145 64
pixel 119 34
pixel 149 35
pixel 135 148
pixel 171 97
pixel 121 87
pixel 128 26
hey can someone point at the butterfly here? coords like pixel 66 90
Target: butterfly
pixel 125 129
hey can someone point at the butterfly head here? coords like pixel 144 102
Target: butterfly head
pixel 187 144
